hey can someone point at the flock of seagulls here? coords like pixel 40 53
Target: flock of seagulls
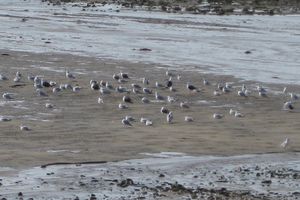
pixel 145 92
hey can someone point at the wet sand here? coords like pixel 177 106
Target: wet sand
pixel 79 129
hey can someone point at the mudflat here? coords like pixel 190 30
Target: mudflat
pixel 79 129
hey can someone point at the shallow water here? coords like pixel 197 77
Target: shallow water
pixel 191 42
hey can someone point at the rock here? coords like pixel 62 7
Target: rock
pixel 268 182
pixel 145 49
pixel 125 183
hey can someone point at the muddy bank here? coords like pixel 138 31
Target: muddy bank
pixel 163 176
pixel 268 7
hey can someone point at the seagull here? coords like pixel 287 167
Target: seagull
pixel 122 80
pixel 116 77
pixel 102 83
pixel 122 106
pixel 205 82
pixel 285 143
pixel 158 97
pixel 129 118
pixel 95 86
pixel 184 105
pixel 226 89
pixel 288 105
pixel 30 78
pixel 144 120
pixel 158 85
pixel 124 75
pixel 188 119
pixel 136 86
pixel 127 99
pixel 100 100
pixel 294 96
pixel 17 79
pixel 178 77
pixel 109 86
pixel 220 86
pixel 228 85
pixel 103 90
pixel 49 105
pixel 62 87
pixel 284 91
pixel 164 110
pixel 18 74
pixel 261 89
pixel 232 112
pixel 7 96
pixel 45 83
pixel 3 77
pixel 145 100
pixel 191 87
pixel 76 89
pixel 41 93
pixel 52 83
pixel 217 116
pixel 120 89
pixel 172 89
pixel 148 122
pixel 56 90
pixel 169 82
pixel 168 73
pixel 68 86
pixel 171 99
pixel 4 119
pixel 242 94
pixel 244 88
pixel 24 128
pixel 69 75
pixel 262 93
pixel 145 81
pixel 238 115
pixel 135 91
pixel 170 117
pixel 147 91
pixel 216 93
pixel 126 122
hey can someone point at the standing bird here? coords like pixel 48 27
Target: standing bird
pixel 124 75
pixel 116 77
pixel 145 100
pixel 126 122
pixel 205 82
pixel 188 119
pixel 7 96
pixel 158 97
pixel 164 110
pixel 95 86
pixel 191 87
pixel 170 117
pixel 285 143
pixel 69 75
pixel 169 82
pixel 288 105
pixel 127 99
pixel 145 81
pixel 24 128
pixel 217 116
